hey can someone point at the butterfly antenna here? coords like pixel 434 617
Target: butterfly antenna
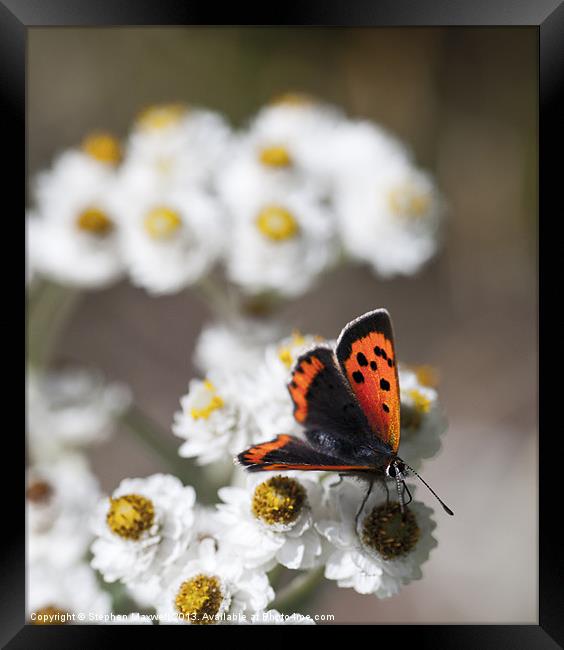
pixel 446 508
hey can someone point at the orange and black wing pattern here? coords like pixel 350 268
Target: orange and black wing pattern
pixel 366 355
pixel 287 452
pixel 322 398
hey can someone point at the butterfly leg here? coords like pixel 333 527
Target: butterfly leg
pixel 341 477
pixel 406 489
pixel 364 500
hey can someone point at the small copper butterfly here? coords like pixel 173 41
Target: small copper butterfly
pixel 348 401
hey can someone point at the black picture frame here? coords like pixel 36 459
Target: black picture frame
pixel 547 16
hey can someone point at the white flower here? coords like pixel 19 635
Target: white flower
pixel 281 151
pixel 173 146
pixel 274 617
pixel 389 212
pixel 54 596
pixel 213 419
pixel 71 409
pixel 280 243
pixel 143 528
pixel 73 233
pixel 422 419
pixel 234 346
pixel 271 520
pixel 213 587
pixel 60 498
pixel 385 552
pixel 171 239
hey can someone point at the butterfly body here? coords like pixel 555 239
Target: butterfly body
pixel 347 400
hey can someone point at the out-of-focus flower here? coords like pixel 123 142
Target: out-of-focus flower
pixel 72 596
pixel 281 151
pixel 214 419
pixel 173 146
pixel 60 497
pixel 386 551
pixel 73 231
pixel 271 520
pixel 389 216
pixel 235 346
pixel 213 587
pixel 171 239
pixel 280 243
pixel 142 528
pixel 422 419
pixel 70 410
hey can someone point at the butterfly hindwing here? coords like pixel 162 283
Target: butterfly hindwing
pixel 287 452
pixel 366 355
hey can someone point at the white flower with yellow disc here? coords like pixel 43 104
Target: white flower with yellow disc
pixel 271 520
pixel 383 550
pixel 173 145
pixel 389 212
pixel 422 419
pixel 73 231
pixel 212 588
pixel 280 151
pixel 143 528
pixel 280 243
pixel 214 420
pixel 171 239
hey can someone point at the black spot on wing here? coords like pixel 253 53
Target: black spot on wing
pixel 362 360
pixel 384 384
pixel 373 365
pixel 386 408
pixel 358 377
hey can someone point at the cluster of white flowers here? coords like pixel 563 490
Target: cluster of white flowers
pixel 276 204
pixel 67 412
pixel 299 189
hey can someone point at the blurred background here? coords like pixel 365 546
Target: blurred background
pixel 466 101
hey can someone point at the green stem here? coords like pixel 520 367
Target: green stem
pixel 292 597
pixel 48 310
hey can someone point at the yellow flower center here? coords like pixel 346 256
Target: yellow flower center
pixel 407 201
pixel 156 118
pixel 412 414
pixel 162 222
pixel 292 99
pixel 215 402
pixel 278 500
pixel 389 533
pixel 130 515
pixel 277 224
pixel 50 615
pixel 286 352
pixel 39 492
pixel 95 222
pixel 427 375
pixel 199 599
pixel 275 156
pixel 103 147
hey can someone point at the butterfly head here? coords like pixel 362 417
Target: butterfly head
pixel 396 468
